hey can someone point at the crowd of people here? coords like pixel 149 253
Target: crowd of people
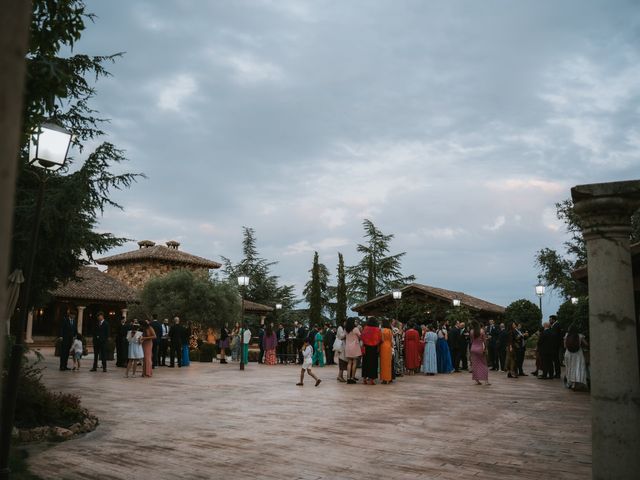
pixel 383 349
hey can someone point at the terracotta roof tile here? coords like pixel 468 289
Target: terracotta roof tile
pixel 448 295
pixel 92 284
pixel 160 253
pixel 250 306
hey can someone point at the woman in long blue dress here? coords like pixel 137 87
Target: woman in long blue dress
pixel 445 365
pixel 430 359
pixel 185 345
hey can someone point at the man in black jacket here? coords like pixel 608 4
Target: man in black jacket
pixel 546 348
pixel 300 337
pixel 463 346
pixel 122 345
pixel 175 336
pixel 492 335
pixel 503 335
pixel 557 335
pixel 157 328
pixel 100 340
pixel 261 343
pixel 329 338
pixel 68 332
pixel 454 342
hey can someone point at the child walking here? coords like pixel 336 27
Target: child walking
pixel 76 352
pixel 307 353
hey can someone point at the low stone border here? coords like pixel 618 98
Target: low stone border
pixel 56 434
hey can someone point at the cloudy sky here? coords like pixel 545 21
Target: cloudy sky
pixel 454 125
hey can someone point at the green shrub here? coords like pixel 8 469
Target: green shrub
pixel 36 406
pixel 194 355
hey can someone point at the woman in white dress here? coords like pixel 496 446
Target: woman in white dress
pixel 576 367
pixel 341 335
pixel 134 337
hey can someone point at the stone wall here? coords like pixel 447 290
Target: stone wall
pixel 137 274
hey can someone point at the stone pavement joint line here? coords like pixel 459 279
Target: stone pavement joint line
pixel 213 421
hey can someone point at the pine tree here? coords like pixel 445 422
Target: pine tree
pixel 60 86
pixel 377 272
pixel 318 288
pixel 315 294
pixel 341 293
pixel 263 286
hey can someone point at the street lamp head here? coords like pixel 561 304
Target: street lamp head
pixel 397 294
pixel 540 290
pixel 574 300
pixel 456 302
pixel 243 281
pixel 278 306
pixel 49 146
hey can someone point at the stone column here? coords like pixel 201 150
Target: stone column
pixel 29 335
pixel 80 316
pixel 604 210
pixel 124 313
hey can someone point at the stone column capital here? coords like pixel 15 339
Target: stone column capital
pixel 605 209
pixel 81 307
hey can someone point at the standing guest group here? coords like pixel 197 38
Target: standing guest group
pixel 382 349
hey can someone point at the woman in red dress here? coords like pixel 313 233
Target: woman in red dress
pixel 411 349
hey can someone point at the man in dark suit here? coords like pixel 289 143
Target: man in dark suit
pixel 329 338
pixel 122 346
pixel 164 342
pixel 100 340
pixel 175 336
pixel 261 343
pixel 300 337
pixel 68 332
pixel 557 335
pixel 454 342
pixel 503 340
pixel 492 335
pixel 157 328
pixel 281 335
pixel 463 346
pixel 546 347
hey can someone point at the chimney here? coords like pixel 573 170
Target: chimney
pixel 146 243
pixel 173 245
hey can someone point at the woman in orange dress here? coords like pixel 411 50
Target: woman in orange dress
pixel 386 349
pixel 147 339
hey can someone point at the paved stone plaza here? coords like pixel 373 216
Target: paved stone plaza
pixel 213 421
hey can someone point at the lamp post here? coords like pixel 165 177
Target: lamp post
pixel 48 150
pixel 397 296
pixel 243 282
pixel 540 289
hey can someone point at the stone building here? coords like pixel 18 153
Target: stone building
pixel 137 267
pixel 111 291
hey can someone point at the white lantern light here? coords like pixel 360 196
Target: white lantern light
pixel 540 290
pixel 397 294
pixel 574 300
pixel 49 146
pixel 243 281
pixel 456 302
pixel 278 306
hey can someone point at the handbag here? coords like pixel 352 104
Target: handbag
pixel 338 346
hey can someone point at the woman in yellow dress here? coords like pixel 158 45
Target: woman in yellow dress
pixel 386 349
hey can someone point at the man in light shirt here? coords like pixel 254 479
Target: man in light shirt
pixel 246 339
